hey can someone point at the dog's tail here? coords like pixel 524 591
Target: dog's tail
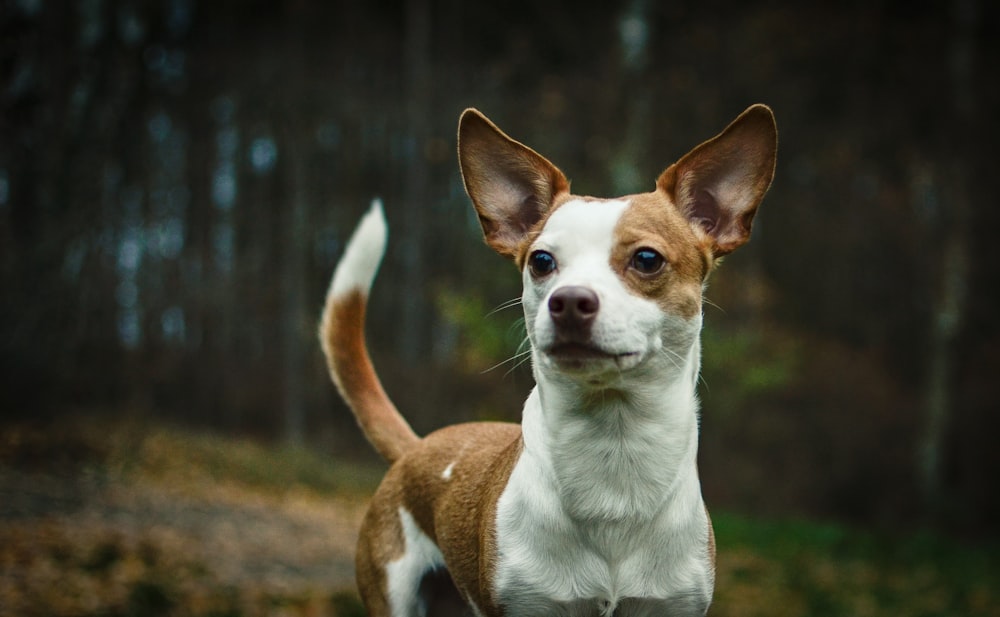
pixel 341 333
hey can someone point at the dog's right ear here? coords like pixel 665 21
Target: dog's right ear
pixel 511 186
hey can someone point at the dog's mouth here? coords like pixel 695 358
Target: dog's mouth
pixel 576 353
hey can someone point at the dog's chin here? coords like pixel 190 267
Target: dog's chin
pixel 585 361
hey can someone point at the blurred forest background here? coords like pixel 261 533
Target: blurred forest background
pixel 178 178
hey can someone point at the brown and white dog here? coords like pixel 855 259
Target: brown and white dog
pixel 592 505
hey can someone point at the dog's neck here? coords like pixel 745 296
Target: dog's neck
pixel 642 438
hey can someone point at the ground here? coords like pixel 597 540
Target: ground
pixel 126 517
pixel 117 520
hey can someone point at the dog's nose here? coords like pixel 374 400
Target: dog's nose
pixel 573 306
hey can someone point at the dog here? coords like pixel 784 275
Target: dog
pixel 592 506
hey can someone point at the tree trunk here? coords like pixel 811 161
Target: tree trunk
pixel 634 36
pixel 414 209
pixel 295 240
pixel 951 287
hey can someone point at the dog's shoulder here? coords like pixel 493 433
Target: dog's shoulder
pixel 461 466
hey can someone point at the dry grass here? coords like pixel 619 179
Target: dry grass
pixel 124 519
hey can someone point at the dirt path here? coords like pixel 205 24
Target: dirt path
pixel 78 540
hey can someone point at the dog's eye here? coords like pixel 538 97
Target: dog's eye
pixel 541 263
pixel 647 261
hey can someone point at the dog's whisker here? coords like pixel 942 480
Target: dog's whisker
pixel 504 306
pixel 518 359
pixel 678 361
pixel 524 358
pixel 713 305
pixel 525 344
pixel 675 358
pixel 703 381
pixel 523 353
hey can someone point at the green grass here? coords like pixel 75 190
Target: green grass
pixel 807 568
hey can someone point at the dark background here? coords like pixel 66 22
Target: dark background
pixel 178 177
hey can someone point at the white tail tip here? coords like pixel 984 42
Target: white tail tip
pixel 364 252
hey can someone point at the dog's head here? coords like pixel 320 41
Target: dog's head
pixel 614 286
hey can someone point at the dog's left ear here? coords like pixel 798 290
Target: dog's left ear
pixel 719 184
pixel 511 185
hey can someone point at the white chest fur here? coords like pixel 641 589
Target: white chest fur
pixel 644 553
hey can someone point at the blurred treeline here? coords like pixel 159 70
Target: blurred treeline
pixel 178 177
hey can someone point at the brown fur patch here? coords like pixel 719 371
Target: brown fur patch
pixel 380 541
pixel 458 513
pixel 652 221
pixel 342 336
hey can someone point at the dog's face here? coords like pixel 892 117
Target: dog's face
pixel 613 287
pixel 610 286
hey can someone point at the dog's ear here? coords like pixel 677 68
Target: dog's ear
pixel 719 184
pixel 511 185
